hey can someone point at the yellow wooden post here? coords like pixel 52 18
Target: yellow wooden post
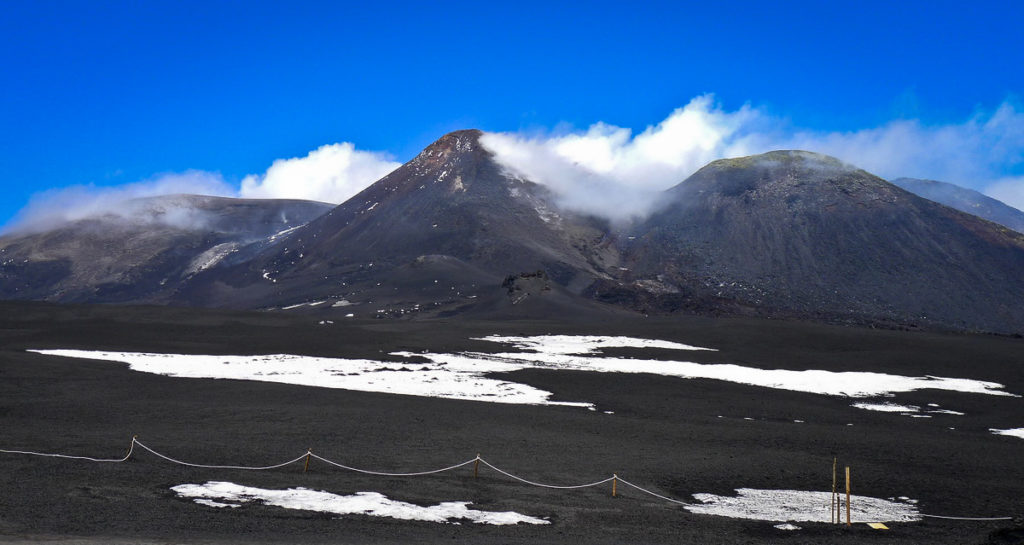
pixel 848 523
pixel 309 453
pixel 615 482
pixel 476 466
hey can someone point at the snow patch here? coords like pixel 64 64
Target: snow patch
pixel 583 344
pixel 280 234
pixel 887 407
pixel 309 304
pixel 1012 432
pixel 371 504
pixel 799 506
pixel 210 257
pixel 946 411
pixel 787 526
pixel 469 375
pixel 211 503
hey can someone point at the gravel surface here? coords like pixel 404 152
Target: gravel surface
pixel 677 437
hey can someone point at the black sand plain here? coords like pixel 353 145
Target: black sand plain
pixel 675 436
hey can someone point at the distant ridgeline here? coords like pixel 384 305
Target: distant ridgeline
pixel 786 234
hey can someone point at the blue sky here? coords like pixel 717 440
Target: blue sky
pixel 102 94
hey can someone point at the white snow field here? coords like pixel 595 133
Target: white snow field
pixel 800 506
pixel 463 375
pixel 1012 432
pixel 374 504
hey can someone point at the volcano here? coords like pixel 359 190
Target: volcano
pixel 797 234
pixel 786 234
pixel 447 229
pixel 144 249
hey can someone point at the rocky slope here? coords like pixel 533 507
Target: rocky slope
pixel 445 229
pixel 965 200
pixel 799 234
pixel 143 250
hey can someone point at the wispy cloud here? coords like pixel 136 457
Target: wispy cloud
pixel 614 171
pixel 608 171
pixel 331 173
pixel 57 206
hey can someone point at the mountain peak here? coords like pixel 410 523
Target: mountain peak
pixel 455 142
pixel 784 174
pixel 785 159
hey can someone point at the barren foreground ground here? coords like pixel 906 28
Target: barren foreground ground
pixel 675 436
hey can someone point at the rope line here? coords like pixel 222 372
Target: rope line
pixel 386 474
pixel 965 518
pixel 542 485
pixel 135 441
pixel 655 494
pixel 259 468
pixel 69 457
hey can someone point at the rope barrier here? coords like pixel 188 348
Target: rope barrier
pixel 252 468
pixel 386 474
pixel 520 479
pixel 101 460
pixel 655 494
pixel 309 453
pixel 966 518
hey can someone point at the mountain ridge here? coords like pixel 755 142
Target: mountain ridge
pixel 965 200
pixel 788 234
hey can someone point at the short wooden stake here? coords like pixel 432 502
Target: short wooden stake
pixel 476 466
pixel 615 482
pixel 309 453
pixel 132 446
pixel 848 523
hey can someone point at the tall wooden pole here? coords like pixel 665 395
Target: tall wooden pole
pixel 848 523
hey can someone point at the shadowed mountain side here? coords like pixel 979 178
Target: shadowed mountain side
pixel 142 250
pixel 965 200
pixel 451 218
pixel 800 234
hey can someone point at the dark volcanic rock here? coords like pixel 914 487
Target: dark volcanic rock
pixel 445 227
pixel 144 250
pixel 799 234
pixel 965 200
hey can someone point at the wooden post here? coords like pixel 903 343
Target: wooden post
pixel 131 447
pixel 615 482
pixel 848 523
pixel 476 466
pixel 309 453
pixel 835 504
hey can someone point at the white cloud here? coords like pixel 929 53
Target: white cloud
pixel 612 171
pixel 331 173
pixel 56 206
pixel 607 171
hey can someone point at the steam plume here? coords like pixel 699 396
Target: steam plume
pixel 607 171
